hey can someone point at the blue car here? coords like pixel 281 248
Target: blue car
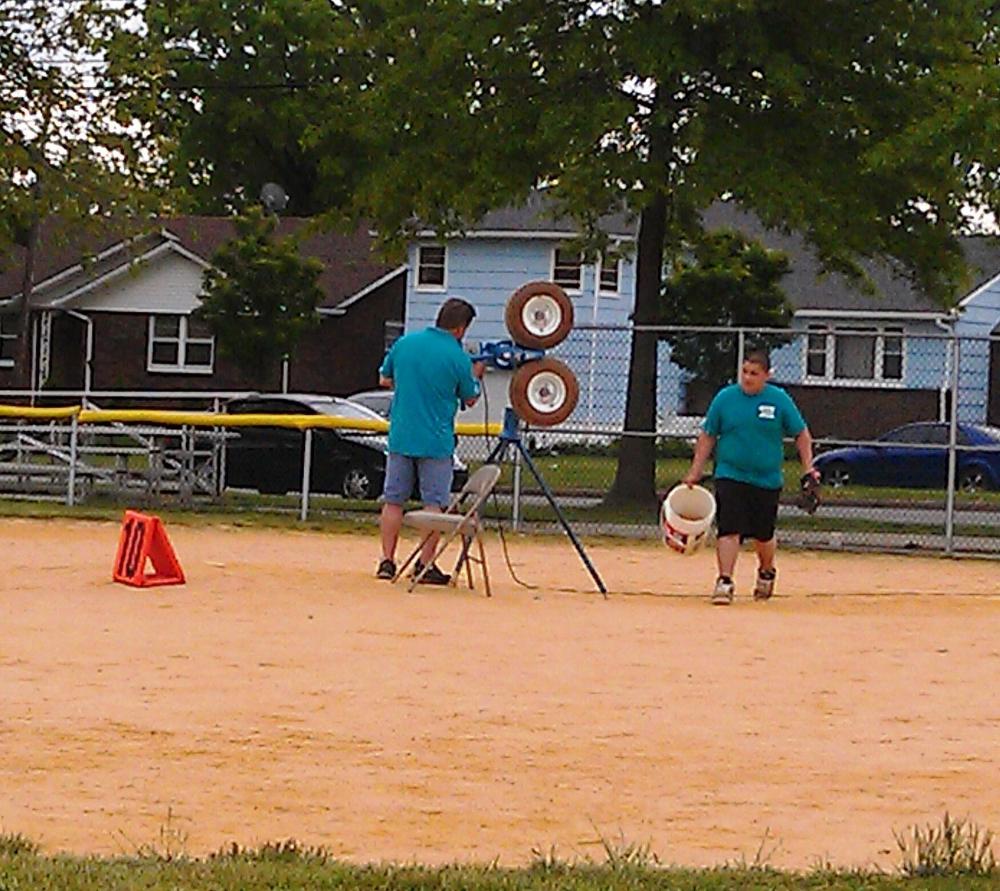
pixel 916 456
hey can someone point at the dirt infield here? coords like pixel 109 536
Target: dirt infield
pixel 283 692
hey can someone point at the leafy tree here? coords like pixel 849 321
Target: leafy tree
pixel 727 281
pixel 249 95
pixel 868 127
pixel 260 296
pixel 861 125
pixel 73 153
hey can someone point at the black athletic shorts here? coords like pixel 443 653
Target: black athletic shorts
pixel 745 510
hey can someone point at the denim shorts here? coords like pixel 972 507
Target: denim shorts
pixel 435 476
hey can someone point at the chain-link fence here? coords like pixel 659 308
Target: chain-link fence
pixel 906 424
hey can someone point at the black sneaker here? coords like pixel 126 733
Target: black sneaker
pixel 433 576
pixel 765 584
pixel 386 570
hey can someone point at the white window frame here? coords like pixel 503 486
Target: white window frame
pixel 569 289
pixel 817 331
pixel 417 284
pixel 7 363
pixel 602 264
pixel 887 332
pixel 878 379
pixel 182 341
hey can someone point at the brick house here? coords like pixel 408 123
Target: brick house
pixel 115 314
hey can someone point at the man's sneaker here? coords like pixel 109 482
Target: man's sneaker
pixel 433 576
pixel 386 570
pixel 723 593
pixel 765 584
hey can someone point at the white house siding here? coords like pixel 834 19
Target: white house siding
pixel 167 284
pixel 979 317
pixel 486 271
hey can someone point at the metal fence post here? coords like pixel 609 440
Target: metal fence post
pixel 740 351
pixel 306 473
pixel 515 516
pixel 186 470
pixel 218 452
pixel 71 476
pixel 949 514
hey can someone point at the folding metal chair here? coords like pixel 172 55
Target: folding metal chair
pixel 460 519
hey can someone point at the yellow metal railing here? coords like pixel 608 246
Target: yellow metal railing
pixel 216 419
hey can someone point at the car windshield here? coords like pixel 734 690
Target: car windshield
pixel 373 401
pixel 912 433
pixel 985 434
pixel 345 409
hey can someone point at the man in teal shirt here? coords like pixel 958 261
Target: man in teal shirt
pixel 745 425
pixel 431 375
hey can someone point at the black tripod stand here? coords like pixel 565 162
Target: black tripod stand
pixel 510 438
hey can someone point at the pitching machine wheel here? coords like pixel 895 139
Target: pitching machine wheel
pixel 544 393
pixel 539 315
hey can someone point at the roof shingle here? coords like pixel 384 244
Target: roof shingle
pixel 348 260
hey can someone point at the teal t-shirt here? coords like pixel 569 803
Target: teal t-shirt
pixel 749 432
pixel 431 373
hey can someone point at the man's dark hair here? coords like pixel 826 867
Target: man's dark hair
pixel 455 313
pixel 759 357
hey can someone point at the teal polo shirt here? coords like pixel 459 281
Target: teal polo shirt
pixel 431 375
pixel 749 432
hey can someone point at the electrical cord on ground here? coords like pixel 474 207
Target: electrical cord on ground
pixel 496 501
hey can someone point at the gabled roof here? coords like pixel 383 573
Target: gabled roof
pixel 537 216
pixel 55 255
pixel 350 267
pixel 809 292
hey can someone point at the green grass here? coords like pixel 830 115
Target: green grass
pixel 247 511
pixel 566 475
pixel 595 473
pixel 290 866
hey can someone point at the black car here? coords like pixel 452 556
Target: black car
pixel 344 462
pixel 379 401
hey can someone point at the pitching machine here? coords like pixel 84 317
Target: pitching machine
pixel 543 391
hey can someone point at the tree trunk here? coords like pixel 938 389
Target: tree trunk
pixel 22 361
pixel 635 476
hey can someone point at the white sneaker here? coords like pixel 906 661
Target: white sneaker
pixel 723 593
pixel 765 585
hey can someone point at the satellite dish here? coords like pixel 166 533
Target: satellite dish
pixel 273 197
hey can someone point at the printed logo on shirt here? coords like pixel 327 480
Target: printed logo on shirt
pixel 766 412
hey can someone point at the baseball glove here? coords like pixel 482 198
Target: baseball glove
pixel 808 498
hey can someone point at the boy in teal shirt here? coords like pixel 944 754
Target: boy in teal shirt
pixel 745 425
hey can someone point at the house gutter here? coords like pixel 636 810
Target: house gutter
pixel 89 354
pixel 871 314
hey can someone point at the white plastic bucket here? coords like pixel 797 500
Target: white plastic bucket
pixel 686 518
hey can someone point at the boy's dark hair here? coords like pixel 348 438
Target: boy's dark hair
pixel 455 313
pixel 759 357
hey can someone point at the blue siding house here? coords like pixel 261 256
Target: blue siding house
pixel 979 359
pixel 504 251
pixel 857 364
pixel 887 355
